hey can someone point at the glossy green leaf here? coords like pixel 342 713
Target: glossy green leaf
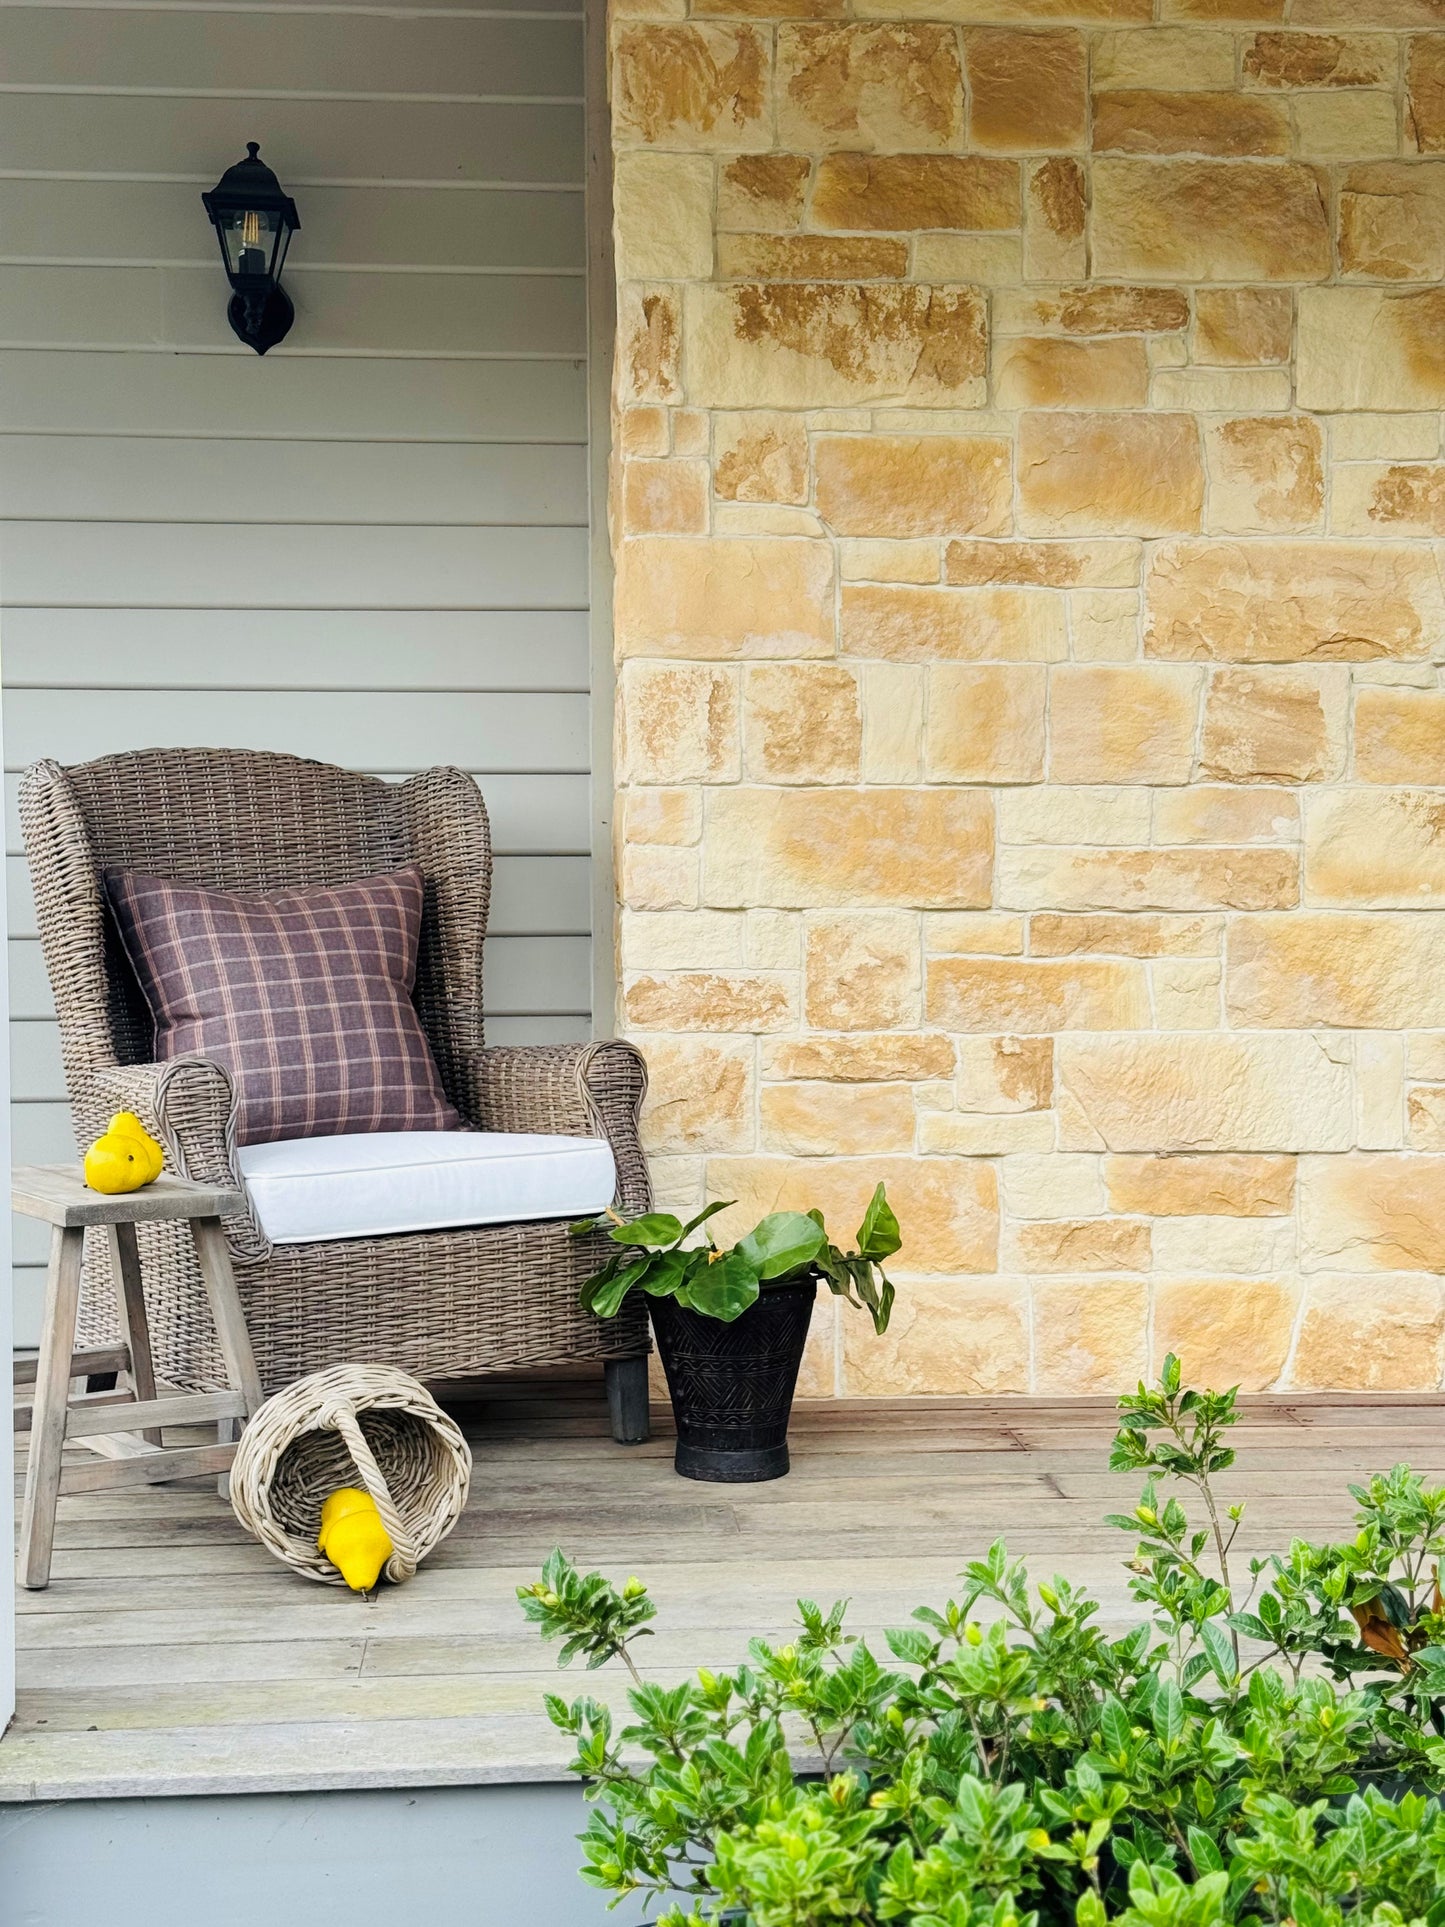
pixel 723 1290
pixel 783 1242
pixel 655 1230
pixel 878 1235
pixel 709 1211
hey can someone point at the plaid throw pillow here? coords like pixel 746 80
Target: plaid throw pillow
pixel 304 995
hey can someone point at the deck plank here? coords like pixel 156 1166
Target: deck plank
pixel 172 1655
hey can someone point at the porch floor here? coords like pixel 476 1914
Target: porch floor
pixel 172 1655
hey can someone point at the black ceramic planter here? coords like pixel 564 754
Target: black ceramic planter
pixel 732 1385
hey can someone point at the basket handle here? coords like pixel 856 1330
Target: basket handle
pixel 342 1419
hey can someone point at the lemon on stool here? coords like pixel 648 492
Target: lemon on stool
pixel 353 1537
pixel 124 1157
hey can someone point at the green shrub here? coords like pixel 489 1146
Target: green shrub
pixel 1261 1748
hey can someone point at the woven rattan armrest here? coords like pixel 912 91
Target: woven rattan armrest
pixel 571 1090
pixel 189 1104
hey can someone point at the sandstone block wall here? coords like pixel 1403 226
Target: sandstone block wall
pixel 1029 511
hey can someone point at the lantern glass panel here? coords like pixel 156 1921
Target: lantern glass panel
pixel 254 240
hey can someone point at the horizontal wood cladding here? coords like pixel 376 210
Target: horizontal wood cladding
pixel 370 547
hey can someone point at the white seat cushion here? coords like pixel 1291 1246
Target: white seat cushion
pixel 306 1190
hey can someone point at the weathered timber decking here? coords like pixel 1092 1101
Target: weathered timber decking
pixel 171 1655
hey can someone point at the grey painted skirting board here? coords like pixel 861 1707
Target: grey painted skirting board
pixel 446 1856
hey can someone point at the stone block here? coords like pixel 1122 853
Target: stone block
pixel 1055 215
pixel 860 1058
pixel 1186 994
pixel 1425 1117
pixel 691 434
pixel 708 1000
pixel 1371 348
pixel 834 345
pixel 1104 625
pixel 1382 847
pixel 1225 1331
pixel 1392 220
pixel 901 486
pixel 1122 724
pixel 664 498
pixel 1112 815
pixel 1083 993
pixel 1191 879
pixel 1425 93
pixel 1274 60
pixel 870 559
pixel 984 1135
pixel 872 87
pixel 1399 500
pixel 691 86
pixel 895 193
pixel 681 940
pixel 893 695
pixel 1189 122
pixel 662 816
pixel 1109 474
pixel 1061 1185
pixel 643 431
pixel 761 456
pixel 762 192
pixel 1092 309
pixel 947 1208
pixel 747 519
pixel 1266 473
pixel 1385 438
pixel 973 933
pixel 1243 327
pixel 1274 725
pixel 1380 1090
pixel 1228 1186
pixel 1283 601
pixel 1194 1092
pixel 678 723
pixel 1220 1243
pixel 953 625
pixel 1028 92
pixel 1005 1073
pixel 986 260
pixel 1345 127
pixel 1372 1334
pixel 810 257
pixel 1400 735
pixel 801 723
pixel 1090 1335
pixel 1052 934
pixel 833 1120
pixel 1209 220
pixel 970 562
pixel 986 723
pixel 1357 970
pixel 662 216
pixel 693 597
pixel 649 344
pixel 1078 1245
pixel 944 1337
pixel 1164 57
pixel 1201 814
pixel 1050 372
pixel 655 877
pixel 817 848
pixel 699 1094
pixel 1425 1055
pixel 862 972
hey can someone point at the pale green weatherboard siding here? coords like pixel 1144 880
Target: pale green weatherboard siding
pixel 370 547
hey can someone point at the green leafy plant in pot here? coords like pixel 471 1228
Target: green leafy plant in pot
pixel 731 1321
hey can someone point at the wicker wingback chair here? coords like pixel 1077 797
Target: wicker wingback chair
pixel 440 1304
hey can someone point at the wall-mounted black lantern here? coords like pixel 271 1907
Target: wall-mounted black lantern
pixel 254 222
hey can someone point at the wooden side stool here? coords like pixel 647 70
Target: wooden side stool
pixel 108 1422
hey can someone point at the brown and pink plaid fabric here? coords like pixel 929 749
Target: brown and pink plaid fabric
pixel 304 995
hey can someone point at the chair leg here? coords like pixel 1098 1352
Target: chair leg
pixel 627 1400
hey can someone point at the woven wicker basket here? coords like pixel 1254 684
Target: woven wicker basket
pixel 350 1423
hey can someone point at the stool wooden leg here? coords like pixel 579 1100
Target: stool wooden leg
pixel 52 1392
pixel 215 1262
pixel 131 1304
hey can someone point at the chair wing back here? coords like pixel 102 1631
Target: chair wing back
pixel 246 820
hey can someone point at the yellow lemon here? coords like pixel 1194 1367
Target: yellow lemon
pixel 353 1537
pixel 124 1157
